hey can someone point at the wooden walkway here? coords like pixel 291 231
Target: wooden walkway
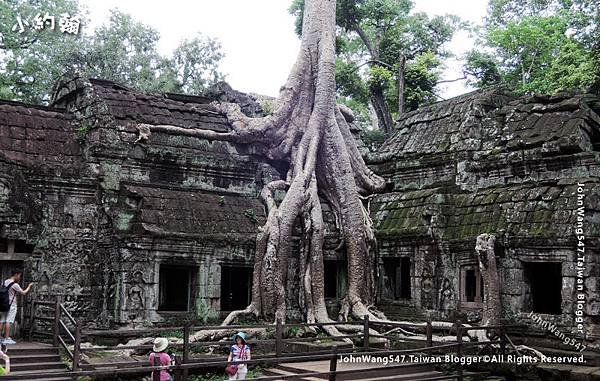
pixel 28 358
pixel 369 371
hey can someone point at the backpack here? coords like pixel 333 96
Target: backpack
pixel 5 301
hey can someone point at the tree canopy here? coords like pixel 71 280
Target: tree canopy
pixel 538 46
pixel 123 50
pixel 383 45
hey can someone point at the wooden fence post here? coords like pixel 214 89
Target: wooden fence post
pixel 278 338
pixel 178 372
pixel 366 333
pixel 429 333
pixel 77 347
pixel 186 349
pixel 459 348
pixel 156 373
pixel 56 322
pixel 333 363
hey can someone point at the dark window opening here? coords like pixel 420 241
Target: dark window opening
pixel 471 287
pixel 545 287
pixel 6 268
pixel 397 284
pixel 12 246
pixel 22 247
pixel 174 288
pixel 236 287
pixel 335 278
pixel 330 272
pixel 404 292
pixel 481 294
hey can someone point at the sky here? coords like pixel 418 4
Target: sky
pixel 258 36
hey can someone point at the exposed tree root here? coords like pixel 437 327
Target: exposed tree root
pixel 225 334
pixel 311 133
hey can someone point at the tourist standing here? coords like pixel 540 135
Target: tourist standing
pixel 7 318
pixel 239 351
pixel 158 353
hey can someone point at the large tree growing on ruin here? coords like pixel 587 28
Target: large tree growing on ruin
pixel 310 132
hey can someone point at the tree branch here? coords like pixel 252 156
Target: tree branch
pixel 375 61
pixel 451 80
pixel 373 50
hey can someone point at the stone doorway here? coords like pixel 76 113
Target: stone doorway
pixel 6 268
pixel 397 282
pixel 175 287
pixel 13 254
pixel 335 278
pixel 543 287
pixel 236 287
pixel 471 287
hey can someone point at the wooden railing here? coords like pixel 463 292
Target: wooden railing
pixel 65 330
pixel 67 334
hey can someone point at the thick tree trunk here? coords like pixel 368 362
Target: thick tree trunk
pixel 401 83
pixel 307 130
pixel 492 306
pixel 382 110
pixel 384 116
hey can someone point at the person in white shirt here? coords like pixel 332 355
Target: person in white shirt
pixel 8 318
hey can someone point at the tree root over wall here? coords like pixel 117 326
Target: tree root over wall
pixel 311 133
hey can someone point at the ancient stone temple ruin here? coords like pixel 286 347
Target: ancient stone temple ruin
pixel 131 232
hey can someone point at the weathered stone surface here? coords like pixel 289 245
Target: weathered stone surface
pixel 100 214
pixel 486 162
pixel 103 213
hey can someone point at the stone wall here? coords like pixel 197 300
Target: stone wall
pixel 490 163
pixel 105 217
pixel 104 213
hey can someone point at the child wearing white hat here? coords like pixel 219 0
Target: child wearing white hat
pixel 158 351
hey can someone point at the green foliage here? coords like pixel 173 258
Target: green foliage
pixel 324 337
pixel 81 131
pixel 421 76
pixel 268 106
pixel 573 68
pixel 483 69
pixel 372 37
pixel 123 50
pixel 297 9
pixel 251 215
pixel 209 376
pixel 538 46
pixel 380 77
pixel 393 31
pixel 294 331
pixel 31 61
pixel 221 200
pixel 253 372
pixel 373 138
pixel 268 334
pixel 196 62
pixel 351 84
pixel 175 333
pixel 360 109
